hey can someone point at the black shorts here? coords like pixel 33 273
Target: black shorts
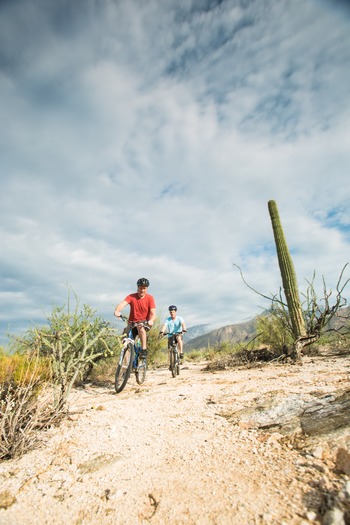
pixel 170 340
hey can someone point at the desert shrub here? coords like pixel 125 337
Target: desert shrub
pixel 273 333
pixel 74 340
pixel 156 345
pixel 336 341
pixel 200 354
pixel 24 406
pixel 104 369
pixel 195 355
pixel 20 369
pixel 226 347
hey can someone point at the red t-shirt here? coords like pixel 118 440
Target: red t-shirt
pixel 140 307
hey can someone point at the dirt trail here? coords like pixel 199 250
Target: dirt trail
pixel 165 453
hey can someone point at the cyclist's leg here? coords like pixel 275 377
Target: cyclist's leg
pixel 180 345
pixel 143 338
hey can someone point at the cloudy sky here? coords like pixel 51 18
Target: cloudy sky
pixel 146 137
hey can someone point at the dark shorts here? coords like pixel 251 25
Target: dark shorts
pixel 170 339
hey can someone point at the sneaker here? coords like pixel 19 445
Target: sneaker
pixel 143 354
pixel 181 356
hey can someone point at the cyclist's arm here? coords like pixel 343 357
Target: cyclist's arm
pixel 183 326
pixel 120 307
pixel 152 316
pixel 163 329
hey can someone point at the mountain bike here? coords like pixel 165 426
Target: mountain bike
pixel 130 358
pixel 174 354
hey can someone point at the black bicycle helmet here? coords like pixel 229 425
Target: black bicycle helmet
pixel 143 282
pixel 172 307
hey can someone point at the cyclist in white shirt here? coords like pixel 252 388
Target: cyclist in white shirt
pixel 174 324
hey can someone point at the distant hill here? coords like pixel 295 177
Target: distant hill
pixel 341 319
pixel 232 332
pixel 195 331
pixel 243 332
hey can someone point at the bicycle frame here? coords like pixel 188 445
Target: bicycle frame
pixel 130 360
pixel 174 354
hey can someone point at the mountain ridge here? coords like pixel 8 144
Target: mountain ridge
pixel 233 333
pixel 243 332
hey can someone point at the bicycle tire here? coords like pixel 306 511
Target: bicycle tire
pixel 140 371
pixel 124 368
pixel 172 363
pixel 177 361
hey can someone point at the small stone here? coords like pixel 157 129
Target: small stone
pixel 324 483
pixel 342 461
pixel 333 517
pixel 311 515
pixel 6 499
pixel 317 452
pixel 346 490
pixel 267 517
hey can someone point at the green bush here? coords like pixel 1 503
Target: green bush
pixel 74 340
pixel 157 346
pixel 272 332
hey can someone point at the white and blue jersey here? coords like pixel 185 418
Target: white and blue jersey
pixel 173 325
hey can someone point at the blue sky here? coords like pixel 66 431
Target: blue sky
pixel 145 138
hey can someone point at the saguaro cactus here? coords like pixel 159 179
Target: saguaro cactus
pixel 289 279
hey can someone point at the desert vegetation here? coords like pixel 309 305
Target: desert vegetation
pixel 39 370
pixel 41 367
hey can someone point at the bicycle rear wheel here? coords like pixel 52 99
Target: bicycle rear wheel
pixel 172 363
pixel 140 371
pixel 124 368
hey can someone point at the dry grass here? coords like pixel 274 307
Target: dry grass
pixel 25 406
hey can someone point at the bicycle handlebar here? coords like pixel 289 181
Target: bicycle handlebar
pixel 136 323
pixel 175 333
pixel 122 317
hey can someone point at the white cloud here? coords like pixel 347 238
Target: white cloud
pixel 145 139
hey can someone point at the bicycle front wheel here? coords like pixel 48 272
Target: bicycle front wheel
pixel 172 363
pixel 124 368
pixel 140 371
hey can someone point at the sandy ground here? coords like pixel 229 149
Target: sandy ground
pixel 166 452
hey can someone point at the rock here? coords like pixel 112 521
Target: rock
pixel 327 414
pixel 311 415
pixel 274 437
pixel 6 499
pixel 347 490
pixel 342 461
pixel 97 463
pixel 311 515
pixel 333 517
pixel 317 452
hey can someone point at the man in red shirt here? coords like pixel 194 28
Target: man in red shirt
pixel 142 308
